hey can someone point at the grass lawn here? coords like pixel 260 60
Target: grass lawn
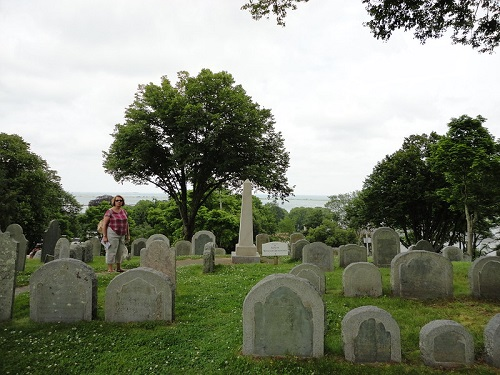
pixel 206 336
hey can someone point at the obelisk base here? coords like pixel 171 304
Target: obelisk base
pixel 245 254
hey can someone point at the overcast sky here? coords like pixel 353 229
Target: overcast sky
pixel 342 99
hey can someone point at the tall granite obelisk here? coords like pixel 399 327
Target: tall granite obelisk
pixel 246 251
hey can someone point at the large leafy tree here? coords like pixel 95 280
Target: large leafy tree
pixel 30 192
pixel 474 22
pixel 469 159
pixel 203 134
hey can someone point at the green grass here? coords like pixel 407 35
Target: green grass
pixel 206 336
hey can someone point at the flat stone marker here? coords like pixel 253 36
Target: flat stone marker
pixel 199 240
pixel 283 315
pixel 362 279
pixel 453 253
pixel 8 259
pixel 138 295
pixel 492 341
pixel 319 254
pixel 313 274
pixel 484 277
pixel 445 343
pixel 64 290
pixel 159 256
pixel 352 253
pixel 369 335
pixel 385 246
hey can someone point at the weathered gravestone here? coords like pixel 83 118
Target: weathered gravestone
pixel 61 250
pixel 96 246
pixel 220 251
pixel 294 237
pixel 50 237
pixel 362 279
pixel 492 341
pixel 421 274
pixel 261 239
pixel 183 247
pixel 445 343
pixel 137 245
pixel 159 256
pixel 369 335
pixel 352 253
pixel 64 290
pixel 484 277
pixel 453 253
pixel 138 295
pixel 319 254
pixel 8 258
pixel 423 245
pixel 313 274
pixel 385 246
pixel 209 258
pixel 157 237
pixel 199 240
pixel 297 248
pixel 88 251
pixel 283 315
pixel 16 233
pixel 76 251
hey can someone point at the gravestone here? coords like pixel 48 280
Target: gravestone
pixel 352 253
pixel 157 237
pixel 362 279
pixel 88 251
pixel 283 315
pixel 445 343
pixel 209 258
pixel 297 247
pixel 182 247
pixel 76 251
pixel 385 246
pixel 138 295
pixel 96 246
pixel 137 245
pixel 50 237
pixel 294 237
pixel 319 254
pixel 369 335
pixel 423 245
pixel 199 240
pixel 260 239
pixel 313 274
pixel 8 259
pixel 16 233
pixel 453 253
pixel 484 277
pixel 64 290
pixel 492 341
pixel 219 251
pixel 422 275
pixel 61 250
pixel 159 256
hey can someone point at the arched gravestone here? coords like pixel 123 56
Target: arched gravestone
pixel 283 315
pixel 199 240
pixel 352 253
pixel 453 253
pixel 159 256
pixel 50 237
pixel 319 254
pixel 64 290
pixel 492 341
pixel 157 237
pixel 484 277
pixel 445 343
pixel 183 247
pixel 137 245
pixel 61 250
pixel 297 247
pixel 385 246
pixel 16 233
pixel 313 274
pixel 138 295
pixel 261 239
pixel 369 335
pixel 362 279
pixel 294 237
pixel 421 274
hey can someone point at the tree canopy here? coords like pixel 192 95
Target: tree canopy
pixel 203 134
pixel 475 22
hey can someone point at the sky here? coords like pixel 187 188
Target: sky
pixel 342 99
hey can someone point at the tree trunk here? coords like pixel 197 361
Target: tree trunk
pixel 470 227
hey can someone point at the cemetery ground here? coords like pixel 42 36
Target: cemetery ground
pixel 206 335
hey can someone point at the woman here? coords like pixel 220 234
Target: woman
pixel 116 232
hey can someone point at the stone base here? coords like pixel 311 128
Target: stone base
pixel 240 259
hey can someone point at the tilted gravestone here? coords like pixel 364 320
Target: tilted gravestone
pixel 297 248
pixel 283 315
pixel 183 247
pixel 445 343
pixel 319 254
pixel 8 259
pixel 199 240
pixel 137 245
pixel 138 295
pixel 209 258
pixel 421 274
pixel 453 253
pixel 484 277
pixel 61 250
pixel 423 245
pixel 385 246
pixel 492 341
pixel 260 239
pixel 352 253
pixel 362 279
pixel 50 237
pixel 16 232
pixel 159 256
pixel 369 335
pixel 157 237
pixel 313 274
pixel 64 290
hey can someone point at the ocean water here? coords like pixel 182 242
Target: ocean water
pixel 132 198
